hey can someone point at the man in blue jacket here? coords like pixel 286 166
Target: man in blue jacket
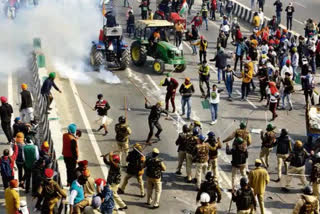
pixel 46 89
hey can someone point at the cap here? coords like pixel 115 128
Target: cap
pixel 270 127
pixel 52 75
pixel 202 138
pixel 3 99
pixel 242 125
pixel 48 173
pixel 45 144
pixel 258 161
pixel 24 86
pixel 14 183
pixel 72 128
pixel 205 197
pixel 155 150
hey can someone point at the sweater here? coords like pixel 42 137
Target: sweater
pixel 77 190
pixel 6 112
pixel 12 200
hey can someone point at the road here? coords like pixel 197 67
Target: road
pixel 177 196
pixel 304 9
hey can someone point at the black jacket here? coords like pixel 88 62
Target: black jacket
pixel 6 112
pixel 130 20
pixel 186 91
pixel 221 60
pixel 26 100
pixel 283 144
pixel 155 112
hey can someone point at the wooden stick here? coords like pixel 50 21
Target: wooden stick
pixel 125 108
pixel 145 97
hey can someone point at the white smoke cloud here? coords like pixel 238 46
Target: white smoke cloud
pixel 66 29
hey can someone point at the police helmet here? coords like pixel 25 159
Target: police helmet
pixel 284 132
pixel 202 138
pixel 211 134
pixel 209 176
pixel 122 119
pixel 185 128
pixel 195 131
pixel 239 140
pixel 307 190
pixel 243 125
pixel 204 197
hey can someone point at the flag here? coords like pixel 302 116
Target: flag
pixel 184 7
pixel 104 10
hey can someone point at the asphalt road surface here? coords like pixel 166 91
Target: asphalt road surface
pixel 177 196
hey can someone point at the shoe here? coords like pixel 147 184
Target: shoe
pixel 101 127
pixel 120 191
pixel 105 133
pixel 213 122
pixel 278 180
pixel 194 180
pixel 188 118
pixel 284 189
pixel 178 173
pixel 182 114
pixel 155 207
pixel 158 136
pixel 290 109
pixel 230 99
pixel 203 96
pixel 174 110
pixel 189 181
pixel 123 208
pixel 219 82
pixel 49 108
pixel 143 195
pixel 199 63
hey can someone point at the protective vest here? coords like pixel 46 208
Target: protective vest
pixel 202 154
pixel 298 158
pixel 308 207
pixel 182 141
pixel 26 100
pixel 114 176
pixel 29 155
pixel 268 139
pixel 191 144
pixel 244 134
pixel 244 199
pixel 154 169
pixel 135 164
pixel 315 173
pixel 66 149
pixel 204 70
pixel 122 132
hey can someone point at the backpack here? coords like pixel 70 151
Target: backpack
pixel 121 133
pixel 5 167
pixel 154 168
pixel 308 207
pixel 315 173
pixel 244 199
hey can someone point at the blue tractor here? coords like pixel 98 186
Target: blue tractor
pixel 110 49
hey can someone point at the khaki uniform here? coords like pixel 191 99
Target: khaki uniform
pixel 234 172
pixel 191 144
pixel 243 133
pixel 182 154
pixel 207 209
pixel 297 171
pixel 118 201
pixel 201 160
pixel 122 136
pixel 282 158
pixel 258 180
pixel 315 177
pixel 268 139
pixel 213 157
pixel 154 181
pixel 89 189
pixel 307 202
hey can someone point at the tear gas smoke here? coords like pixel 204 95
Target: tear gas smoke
pixel 66 29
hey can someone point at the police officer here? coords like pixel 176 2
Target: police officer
pixel 297 160
pixel 242 133
pixel 268 139
pixel 196 124
pixel 206 207
pixel 201 157
pixel 211 187
pixel 123 132
pixel 283 144
pixel 244 198
pixel 239 154
pixel 315 174
pixel 190 148
pixel 114 178
pixel 102 107
pixel 213 153
pixel 308 203
pixel 258 180
pixel 204 77
pixel 153 119
pixel 181 142
pixel 155 167
pixel 135 161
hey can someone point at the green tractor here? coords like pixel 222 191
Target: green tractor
pixel 163 52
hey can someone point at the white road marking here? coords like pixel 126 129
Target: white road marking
pixel 301 5
pixel 253 105
pixel 10 89
pixel 298 21
pixel 87 125
pixel 153 82
pixel 188 46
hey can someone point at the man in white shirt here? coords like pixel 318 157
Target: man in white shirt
pixel 214 99
pixel 286 68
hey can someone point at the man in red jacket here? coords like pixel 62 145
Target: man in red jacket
pixel 7 164
pixel 172 85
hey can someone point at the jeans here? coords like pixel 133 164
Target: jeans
pixel 125 2
pixel 206 81
pixel 308 93
pixel 20 170
pixel 194 47
pixel 253 4
pixel 170 97
pixel 214 111
pixel 294 70
pixel 107 211
pixel 220 70
pixel 236 62
pixel 178 38
pixel 6 127
pixel 245 89
pixel 229 85
pixel 71 165
pixel 206 22
pixel 288 97
pixel 184 101
pixel 153 124
pixel 278 14
pixel 313 64
pixel 289 22
pixel 130 29
pixel 203 55
pixel 213 14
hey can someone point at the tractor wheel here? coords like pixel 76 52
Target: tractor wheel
pixel 138 54
pixel 96 58
pixel 158 66
pixel 180 68
pixel 124 62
